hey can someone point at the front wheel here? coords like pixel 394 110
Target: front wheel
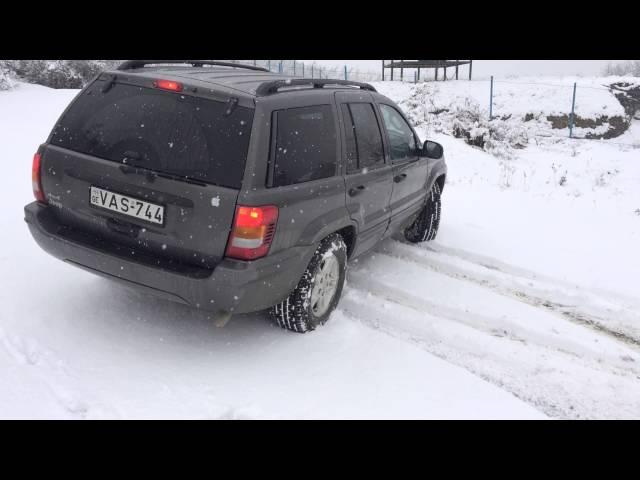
pixel 318 291
pixel 425 227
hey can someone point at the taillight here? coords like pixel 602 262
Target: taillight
pixel 35 178
pixel 168 85
pixel 252 232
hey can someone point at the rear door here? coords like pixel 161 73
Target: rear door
pixel 409 168
pixel 368 177
pixel 152 171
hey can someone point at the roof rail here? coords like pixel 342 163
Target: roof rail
pixel 271 87
pixel 131 64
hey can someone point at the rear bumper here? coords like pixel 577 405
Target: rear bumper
pixel 233 286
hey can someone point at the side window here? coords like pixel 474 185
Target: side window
pixel 402 142
pixel 352 149
pixel 364 140
pixel 305 146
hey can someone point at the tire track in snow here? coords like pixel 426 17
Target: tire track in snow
pixel 485 324
pixel 431 342
pixel 542 296
pixel 497 265
pixel 551 378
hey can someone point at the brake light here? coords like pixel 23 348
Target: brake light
pixel 252 232
pixel 168 85
pixel 35 178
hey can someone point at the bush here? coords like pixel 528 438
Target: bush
pixel 58 73
pixel 5 81
pixel 463 118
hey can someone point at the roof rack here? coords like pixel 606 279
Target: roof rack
pixel 131 64
pixel 271 87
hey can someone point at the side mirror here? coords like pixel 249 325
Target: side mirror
pixel 432 149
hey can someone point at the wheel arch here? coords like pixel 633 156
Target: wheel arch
pixel 349 236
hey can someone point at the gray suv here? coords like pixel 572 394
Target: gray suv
pixel 230 188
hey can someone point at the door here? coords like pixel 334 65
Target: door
pixel 368 177
pixel 410 169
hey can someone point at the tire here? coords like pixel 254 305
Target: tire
pixel 300 311
pixel 425 227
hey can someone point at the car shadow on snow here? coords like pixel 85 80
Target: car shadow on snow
pixel 117 306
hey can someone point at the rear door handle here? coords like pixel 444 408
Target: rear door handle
pixel 356 191
pixel 400 178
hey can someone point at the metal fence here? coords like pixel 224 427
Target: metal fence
pixel 567 94
pixel 342 72
pixel 347 72
pixel 314 70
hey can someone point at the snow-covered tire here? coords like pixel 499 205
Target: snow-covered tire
pixel 425 227
pixel 299 312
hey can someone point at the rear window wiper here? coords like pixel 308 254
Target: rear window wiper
pixel 137 170
pixel 151 175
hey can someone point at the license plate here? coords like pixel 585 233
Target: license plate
pixel 149 212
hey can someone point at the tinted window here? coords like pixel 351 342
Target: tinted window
pixel 305 147
pixel 402 142
pixel 364 141
pixel 159 130
pixel 350 131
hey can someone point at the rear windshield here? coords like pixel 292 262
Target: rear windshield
pixel 163 131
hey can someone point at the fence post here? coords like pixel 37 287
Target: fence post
pixel 269 65
pixel 280 67
pixel 255 62
pixel 345 72
pixel 491 100
pixel 294 68
pixel 415 77
pixel 573 108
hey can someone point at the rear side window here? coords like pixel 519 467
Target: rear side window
pixel 363 137
pixel 162 131
pixel 305 145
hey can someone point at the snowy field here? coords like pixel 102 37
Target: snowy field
pixel 526 306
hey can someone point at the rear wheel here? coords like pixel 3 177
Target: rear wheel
pixel 425 227
pixel 318 291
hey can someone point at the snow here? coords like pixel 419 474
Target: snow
pixel 526 305
pixel 521 95
pixel 524 109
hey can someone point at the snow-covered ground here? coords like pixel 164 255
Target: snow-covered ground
pixel 522 95
pixel 526 306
